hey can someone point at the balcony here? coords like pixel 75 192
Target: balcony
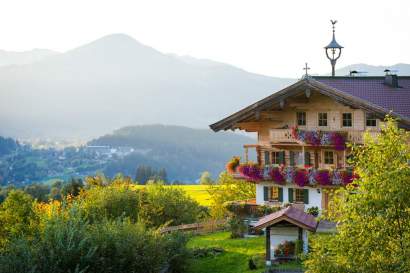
pixel 287 136
pixel 297 175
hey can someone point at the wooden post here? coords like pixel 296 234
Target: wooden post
pixel 300 233
pixel 268 256
pixel 344 158
pixel 246 154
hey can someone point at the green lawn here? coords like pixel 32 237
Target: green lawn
pixel 233 260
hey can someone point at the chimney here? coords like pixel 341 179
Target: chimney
pixel 391 80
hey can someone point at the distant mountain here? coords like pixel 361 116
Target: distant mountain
pixel 183 152
pixel 116 81
pixel 372 70
pixel 24 57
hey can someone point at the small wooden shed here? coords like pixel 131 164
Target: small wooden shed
pixel 288 224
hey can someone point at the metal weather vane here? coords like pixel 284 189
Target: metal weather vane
pixel 333 49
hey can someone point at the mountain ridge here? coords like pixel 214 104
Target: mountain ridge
pixel 116 81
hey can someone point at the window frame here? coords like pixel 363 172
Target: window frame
pixel 298 193
pixel 347 120
pixel 304 118
pixel 271 192
pixel 320 119
pixel 275 158
pixel 371 117
pixel 325 157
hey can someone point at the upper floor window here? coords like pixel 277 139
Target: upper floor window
pixel 267 158
pixel 347 120
pixel 301 118
pixel 278 158
pixel 322 119
pixel 370 120
pixel 329 157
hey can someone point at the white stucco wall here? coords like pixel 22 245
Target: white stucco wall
pixel 315 197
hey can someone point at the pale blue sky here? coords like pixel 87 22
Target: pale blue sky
pixel 268 37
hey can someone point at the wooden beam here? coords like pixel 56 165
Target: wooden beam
pixel 307 93
pixel 268 255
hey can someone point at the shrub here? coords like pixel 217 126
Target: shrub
pixel 237 227
pixel 111 202
pixel 313 211
pixel 167 205
pixel 17 216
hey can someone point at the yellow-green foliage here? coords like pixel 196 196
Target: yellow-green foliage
pixel 229 189
pixel 199 193
pixel 373 213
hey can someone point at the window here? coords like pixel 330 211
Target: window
pixel 329 157
pixel 278 158
pixel 370 120
pixel 322 119
pixel 301 118
pixel 267 159
pixel 272 193
pixel 347 120
pixel 297 158
pixel 299 196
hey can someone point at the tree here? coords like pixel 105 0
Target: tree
pixel 373 213
pixel 38 191
pixel 228 189
pixel 72 187
pixel 17 216
pixel 206 179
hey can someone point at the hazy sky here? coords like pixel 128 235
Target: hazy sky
pixel 269 37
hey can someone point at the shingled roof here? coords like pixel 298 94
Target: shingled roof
pixel 374 90
pixel 368 93
pixel 291 215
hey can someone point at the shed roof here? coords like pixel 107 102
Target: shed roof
pixel 290 214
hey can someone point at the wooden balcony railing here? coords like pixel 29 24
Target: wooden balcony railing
pixel 285 135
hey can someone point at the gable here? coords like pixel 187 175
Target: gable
pixel 302 91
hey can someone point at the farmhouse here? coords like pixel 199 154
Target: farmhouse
pixel 302 135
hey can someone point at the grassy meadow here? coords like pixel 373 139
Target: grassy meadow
pixel 234 258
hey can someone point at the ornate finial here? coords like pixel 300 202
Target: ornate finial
pixel 333 50
pixel 306 68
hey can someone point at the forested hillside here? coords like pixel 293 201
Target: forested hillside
pixel 183 152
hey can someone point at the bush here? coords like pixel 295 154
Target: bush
pixel 68 242
pixel 257 261
pixel 237 227
pixel 313 211
pixel 167 205
pixel 111 202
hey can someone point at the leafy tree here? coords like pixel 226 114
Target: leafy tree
pixel 373 214
pixel 73 187
pixel 110 202
pixel 40 192
pixel 228 189
pixel 168 205
pixel 206 179
pixel 17 216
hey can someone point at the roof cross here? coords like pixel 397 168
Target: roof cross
pixel 306 68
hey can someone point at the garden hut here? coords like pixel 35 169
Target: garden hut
pixel 287 225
